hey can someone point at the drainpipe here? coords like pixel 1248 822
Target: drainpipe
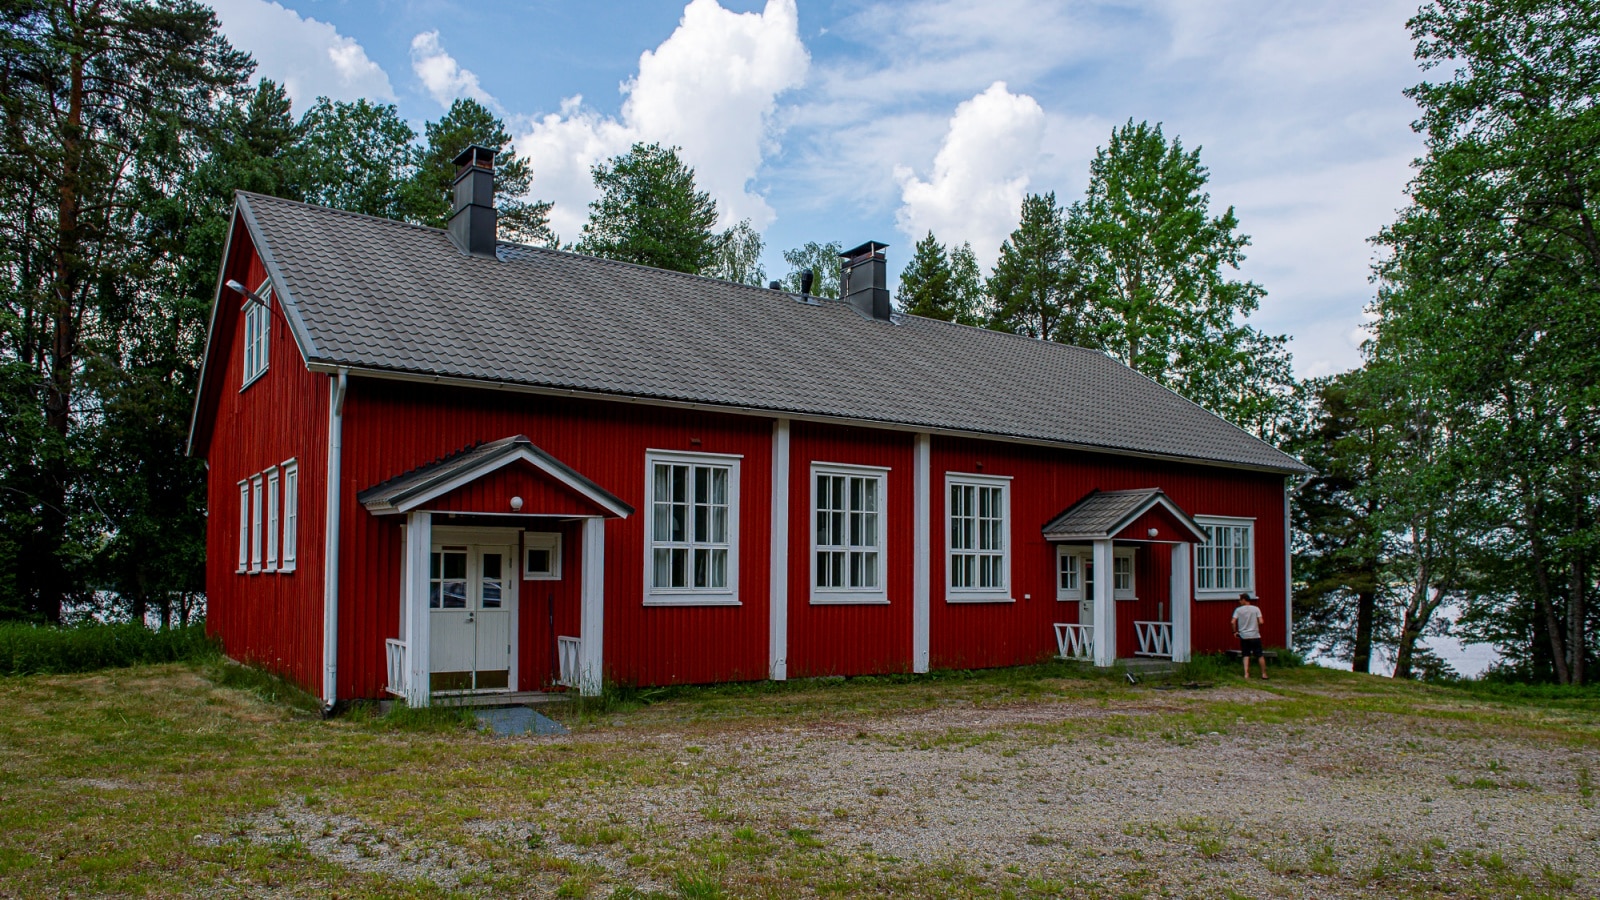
pixel 330 575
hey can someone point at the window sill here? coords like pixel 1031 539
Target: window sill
pixel 252 380
pixel 1222 595
pixel 847 599
pixel 286 570
pixel 691 600
pixel 979 598
pixel 541 577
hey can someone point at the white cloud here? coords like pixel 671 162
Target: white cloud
pixel 308 57
pixel 444 79
pixel 710 88
pixel 980 175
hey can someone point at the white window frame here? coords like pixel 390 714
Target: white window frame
pixel 1202 554
pixel 244 526
pixel 844 595
pixel 1085 556
pixel 1002 593
pixel 255 523
pixel 541 540
pixel 274 523
pixel 291 515
pixel 257 334
pixel 691 596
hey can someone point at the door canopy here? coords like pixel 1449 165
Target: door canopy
pixel 1124 515
pixel 510 475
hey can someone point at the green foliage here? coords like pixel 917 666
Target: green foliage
pixel 357 156
pixel 738 256
pixel 430 198
pixel 822 260
pixel 1151 260
pixel 940 285
pixel 650 212
pixel 54 650
pixel 1035 282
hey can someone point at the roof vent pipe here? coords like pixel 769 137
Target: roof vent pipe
pixel 472 222
pixel 807 277
pixel 864 280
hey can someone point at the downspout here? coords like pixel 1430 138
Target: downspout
pixel 330 575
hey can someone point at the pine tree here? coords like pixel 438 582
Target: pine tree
pixel 430 200
pixel 1034 282
pixel 926 283
pixel 650 212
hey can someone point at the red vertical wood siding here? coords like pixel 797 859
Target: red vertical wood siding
pixel 392 427
pixel 1152 588
pixel 273 620
pixel 549 609
pixel 1045 482
pixel 851 639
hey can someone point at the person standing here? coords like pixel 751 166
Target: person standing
pixel 1247 625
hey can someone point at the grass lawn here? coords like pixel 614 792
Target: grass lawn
pixel 192 779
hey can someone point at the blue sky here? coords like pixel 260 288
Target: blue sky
pixel 881 120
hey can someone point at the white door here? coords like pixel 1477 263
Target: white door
pixel 470 592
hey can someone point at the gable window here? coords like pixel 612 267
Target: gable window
pixel 244 526
pixel 543 556
pixel 1225 563
pixel 692 554
pixel 847 556
pixel 272 520
pixel 1075 573
pixel 255 523
pixel 979 517
pixel 257 330
pixel 291 514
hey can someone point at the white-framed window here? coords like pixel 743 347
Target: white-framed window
pixel 847 533
pixel 244 526
pixel 273 524
pixel 1224 565
pixel 257 331
pixel 978 562
pixel 1075 572
pixel 291 514
pixel 542 556
pixel 692 534
pixel 255 523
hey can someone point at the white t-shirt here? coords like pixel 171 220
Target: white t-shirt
pixel 1247 621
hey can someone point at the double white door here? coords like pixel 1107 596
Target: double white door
pixel 471 594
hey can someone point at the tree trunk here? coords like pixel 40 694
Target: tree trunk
pixel 1532 519
pixel 1366 605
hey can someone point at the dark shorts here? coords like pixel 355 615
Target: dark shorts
pixel 1250 647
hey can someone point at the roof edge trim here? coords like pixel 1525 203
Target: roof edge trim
pixel 431 487
pixel 1158 497
pixel 326 366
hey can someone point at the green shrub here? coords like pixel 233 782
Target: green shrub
pixel 47 650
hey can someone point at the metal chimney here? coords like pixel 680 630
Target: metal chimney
pixel 864 280
pixel 472 222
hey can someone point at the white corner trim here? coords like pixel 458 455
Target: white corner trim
pixel 337 386
pixel 778 584
pixel 592 613
pixel 922 556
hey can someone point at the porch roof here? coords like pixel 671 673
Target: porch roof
pixel 412 489
pixel 1102 515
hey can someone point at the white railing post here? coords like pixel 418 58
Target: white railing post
pixel 1181 602
pixel 419 545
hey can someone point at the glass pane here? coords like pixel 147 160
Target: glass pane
pixel 455 565
pixel 491 565
pixel 719 568
pixel 662 569
pixel 491 595
pixel 702 568
pixel 663 482
pixel 662 529
pixel 433 596
pixel 856 572
pixel 539 562
pixel 455 594
pixel 719 486
pixel 822 570
pixel 836 569
pixel 680 484
pixel 680 523
pixel 433 566
pixel 680 568
pixel 871 571
pixel 719 524
pixel 871 539
pixel 702 523
pixel 702 484
pixel 872 495
pixel 822 528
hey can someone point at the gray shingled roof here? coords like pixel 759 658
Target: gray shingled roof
pixel 392 495
pixel 1104 513
pixel 377 294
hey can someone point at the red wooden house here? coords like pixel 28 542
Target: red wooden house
pixel 443 463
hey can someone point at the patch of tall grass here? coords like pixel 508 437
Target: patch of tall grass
pixel 49 650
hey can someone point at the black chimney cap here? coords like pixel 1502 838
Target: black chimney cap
pixel 806 278
pixel 867 249
pixel 475 155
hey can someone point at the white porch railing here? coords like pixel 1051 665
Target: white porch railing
pixel 398 670
pixel 567 652
pixel 1155 638
pixel 1075 641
